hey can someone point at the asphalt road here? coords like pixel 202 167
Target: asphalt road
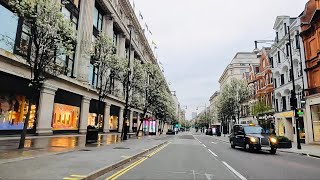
pixel 194 156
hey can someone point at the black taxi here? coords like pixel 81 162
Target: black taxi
pixel 252 137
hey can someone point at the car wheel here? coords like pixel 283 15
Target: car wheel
pixel 232 144
pixel 273 151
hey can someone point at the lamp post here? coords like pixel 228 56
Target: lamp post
pixel 293 98
pixel 124 131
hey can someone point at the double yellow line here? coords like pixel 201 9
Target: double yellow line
pixel 131 166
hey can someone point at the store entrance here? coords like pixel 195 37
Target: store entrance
pixel 114 118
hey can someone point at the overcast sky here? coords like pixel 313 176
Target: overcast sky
pixel 198 38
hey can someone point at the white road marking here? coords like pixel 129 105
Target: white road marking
pixel 213 153
pixel 234 171
pixel 208 176
pixel 213 142
pixel 204 145
pixel 194 175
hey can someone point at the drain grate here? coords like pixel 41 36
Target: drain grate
pixel 121 148
pixel 84 150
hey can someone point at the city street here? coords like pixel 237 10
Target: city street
pixel 196 156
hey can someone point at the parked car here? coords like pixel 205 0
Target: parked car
pixel 252 137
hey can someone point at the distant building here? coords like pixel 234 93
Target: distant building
pixel 194 115
pixel 238 66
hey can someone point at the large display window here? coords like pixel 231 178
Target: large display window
pixel 92 120
pixel 13 111
pixel 113 122
pixel 315 117
pixel 65 117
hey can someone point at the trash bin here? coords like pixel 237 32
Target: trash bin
pixel 92 134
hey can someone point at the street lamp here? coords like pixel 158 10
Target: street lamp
pixel 126 109
pixel 293 98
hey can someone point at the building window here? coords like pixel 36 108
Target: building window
pixel 71 13
pixel 285 28
pixel 300 73
pixel 277 105
pixel 97 20
pixel 114 39
pixel 277 37
pixel 279 60
pixel 23 41
pixel 275 83
pixel 281 79
pixel 289 75
pixel 284 103
pixel 9 24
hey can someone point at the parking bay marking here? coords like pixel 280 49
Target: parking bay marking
pixel 214 143
pixel 234 171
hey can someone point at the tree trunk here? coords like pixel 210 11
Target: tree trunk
pixel 25 126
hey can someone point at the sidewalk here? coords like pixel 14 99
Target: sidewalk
pixel 80 162
pixel 306 149
pixel 43 145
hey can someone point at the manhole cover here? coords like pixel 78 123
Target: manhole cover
pixel 84 150
pixel 121 148
pixel 186 137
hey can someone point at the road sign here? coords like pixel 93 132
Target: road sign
pixel 177 125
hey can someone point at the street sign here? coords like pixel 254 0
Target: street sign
pixel 177 125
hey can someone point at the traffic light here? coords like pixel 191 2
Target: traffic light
pixel 299 112
pixel 293 103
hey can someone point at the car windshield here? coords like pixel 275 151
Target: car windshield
pixel 254 130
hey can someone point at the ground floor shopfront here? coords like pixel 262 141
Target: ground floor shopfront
pixel 60 108
pixel 313 118
pixel 285 125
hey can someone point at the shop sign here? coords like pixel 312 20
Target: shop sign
pixel 287 114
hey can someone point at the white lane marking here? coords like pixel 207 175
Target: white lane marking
pixel 208 176
pixel 194 175
pixel 204 145
pixel 213 153
pixel 213 142
pixel 234 171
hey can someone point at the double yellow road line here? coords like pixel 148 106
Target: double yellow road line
pixel 131 166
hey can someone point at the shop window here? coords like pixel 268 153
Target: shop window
pixel 13 111
pixel 92 120
pixel 8 30
pixel 315 117
pixel 65 117
pixel 113 122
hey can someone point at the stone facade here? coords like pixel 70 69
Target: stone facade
pixel 281 67
pixel 116 16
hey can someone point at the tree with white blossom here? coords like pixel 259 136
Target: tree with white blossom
pixel 230 99
pixel 110 67
pixel 51 37
pixel 156 98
